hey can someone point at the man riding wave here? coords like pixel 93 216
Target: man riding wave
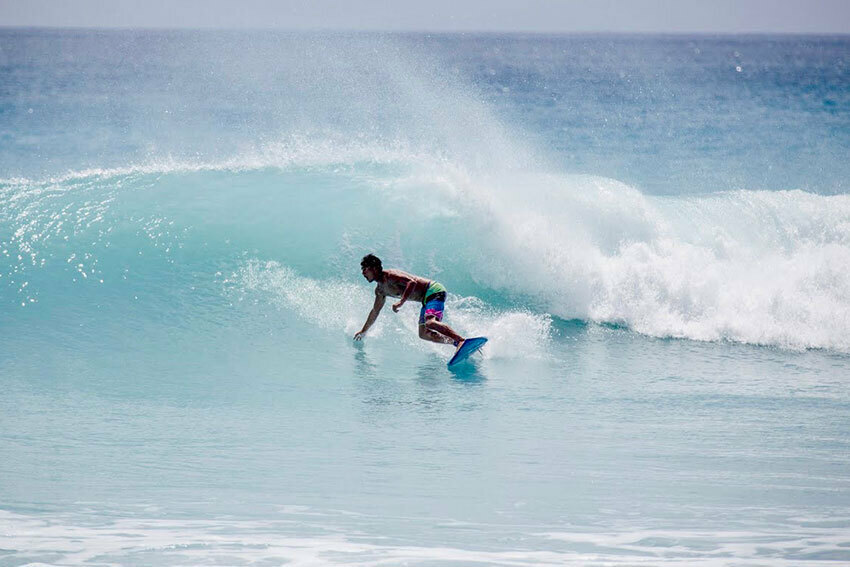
pixel 396 283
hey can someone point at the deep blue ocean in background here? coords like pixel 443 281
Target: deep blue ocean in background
pixel 654 232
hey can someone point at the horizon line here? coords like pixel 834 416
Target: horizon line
pixel 426 31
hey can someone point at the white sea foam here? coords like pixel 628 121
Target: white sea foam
pixel 68 541
pixel 331 304
pixel 748 266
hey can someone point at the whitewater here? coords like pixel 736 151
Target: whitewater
pixel 654 233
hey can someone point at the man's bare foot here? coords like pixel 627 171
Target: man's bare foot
pixel 459 344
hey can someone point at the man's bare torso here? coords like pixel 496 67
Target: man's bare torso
pixel 395 281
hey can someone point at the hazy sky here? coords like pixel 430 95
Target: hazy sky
pixel 724 16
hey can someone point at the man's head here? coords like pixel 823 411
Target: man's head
pixel 371 267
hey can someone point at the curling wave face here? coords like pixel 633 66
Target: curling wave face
pixel 747 266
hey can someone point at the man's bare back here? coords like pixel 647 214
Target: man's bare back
pixel 396 281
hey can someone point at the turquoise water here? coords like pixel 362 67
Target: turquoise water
pixel 654 233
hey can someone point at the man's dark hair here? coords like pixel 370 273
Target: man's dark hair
pixel 371 261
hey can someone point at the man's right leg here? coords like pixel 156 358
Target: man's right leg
pixel 440 328
pixel 433 336
pixel 431 328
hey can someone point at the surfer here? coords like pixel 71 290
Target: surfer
pixel 395 283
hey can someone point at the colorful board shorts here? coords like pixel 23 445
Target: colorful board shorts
pixel 434 302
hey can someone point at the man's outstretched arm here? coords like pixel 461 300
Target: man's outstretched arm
pixel 373 314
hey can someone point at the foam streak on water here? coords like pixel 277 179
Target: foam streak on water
pixel 119 542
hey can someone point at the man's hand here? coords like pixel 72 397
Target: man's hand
pixel 359 335
pixel 397 306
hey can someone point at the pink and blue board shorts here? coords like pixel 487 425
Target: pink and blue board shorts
pixel 434 303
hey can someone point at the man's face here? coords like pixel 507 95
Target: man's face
pixel 368 273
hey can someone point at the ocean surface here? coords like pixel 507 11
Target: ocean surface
pixel 654 232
